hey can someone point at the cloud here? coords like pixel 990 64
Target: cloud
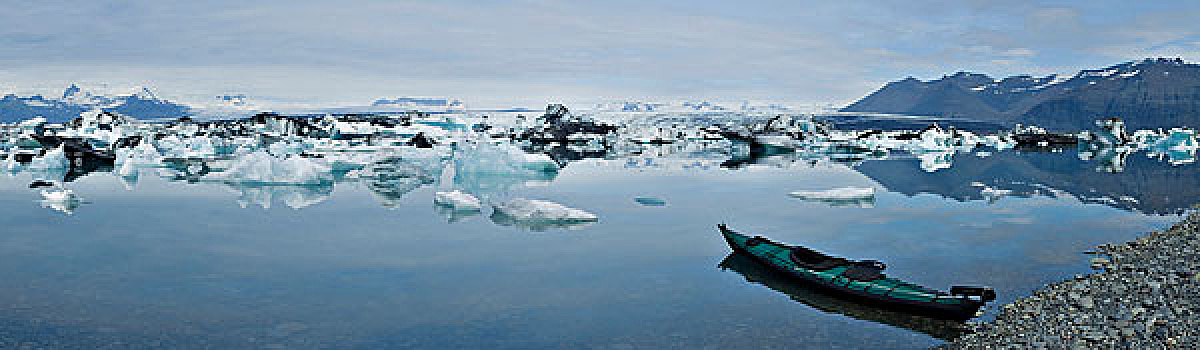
pixel 528 52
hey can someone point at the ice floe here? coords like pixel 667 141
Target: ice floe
pixel 53 159
pixel 62 200
pixel 262 168
pixel 539 214
pixel 842 196
pixel 457 200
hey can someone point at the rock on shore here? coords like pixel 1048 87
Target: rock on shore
pixel 1147 296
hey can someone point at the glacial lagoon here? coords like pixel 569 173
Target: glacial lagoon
pixel 157 258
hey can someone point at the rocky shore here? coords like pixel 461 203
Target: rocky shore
pixel 1145 296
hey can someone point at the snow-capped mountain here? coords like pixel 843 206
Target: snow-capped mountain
pixel 139 103
pixel 422 104
pixel 1151 93
pixel 691 107
pixel 235 100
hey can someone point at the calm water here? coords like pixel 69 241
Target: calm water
pixel 168 263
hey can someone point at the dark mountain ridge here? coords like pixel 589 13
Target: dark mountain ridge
pixel 142 105
pixel 1147 94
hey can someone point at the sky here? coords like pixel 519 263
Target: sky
pixel 528 53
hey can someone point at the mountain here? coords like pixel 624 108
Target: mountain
pixel 422 104
pixel 1152 93
pixel 142 104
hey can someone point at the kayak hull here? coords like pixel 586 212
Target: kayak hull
pixel 902 296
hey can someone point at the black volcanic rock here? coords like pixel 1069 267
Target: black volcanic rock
pixel 1153 93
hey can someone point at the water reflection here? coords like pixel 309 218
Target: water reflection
pixel 757 273
pixel 1138 184
pixel 1143 184
pixel 950 163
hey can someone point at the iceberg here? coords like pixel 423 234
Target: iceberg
pixel 457 200
pixel 261 168
pixel 11 164
pixel 863 197
pixel 539 214
pixel 62 200
pixel 173 146
pixel 486 168
pixel 53 159
pixel 62 195
pixel 143 155
pixel 934 161
pixel 650 201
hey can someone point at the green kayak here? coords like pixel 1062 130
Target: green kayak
pixel 862 281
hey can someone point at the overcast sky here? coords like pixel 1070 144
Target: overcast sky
pixel 526 53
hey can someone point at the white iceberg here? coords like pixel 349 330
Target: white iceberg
pixel 11 164
pixel 457 200
pixel 53 159
pixel 863 197
pixel 143 155
pixel 173 146
pixel 262 168
pixel 539 214
pixel 483 168
pixel 62 195
pixel 934 161
pixel 62 200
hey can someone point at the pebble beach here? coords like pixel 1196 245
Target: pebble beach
pixel 1145 295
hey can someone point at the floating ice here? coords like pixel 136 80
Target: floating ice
pixel 262 168
pixel 536 213
pixel 189 147
pixel 62 200
pixel 457 200
pixel 836 193
pixel 650 201
pixel 494 168
pixel 59 195
pixel 53 159
pixel 934 161
pixel 842 196
pixel 142 155
pixel 11 164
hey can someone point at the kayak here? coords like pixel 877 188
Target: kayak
pixel 819 299
pixel 861 280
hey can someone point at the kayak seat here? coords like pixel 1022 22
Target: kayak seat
pixel 814 260
pixel 863 272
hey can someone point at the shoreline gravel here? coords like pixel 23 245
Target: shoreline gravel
pixel 1146 295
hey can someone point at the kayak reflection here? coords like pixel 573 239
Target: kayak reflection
pixel 756 273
